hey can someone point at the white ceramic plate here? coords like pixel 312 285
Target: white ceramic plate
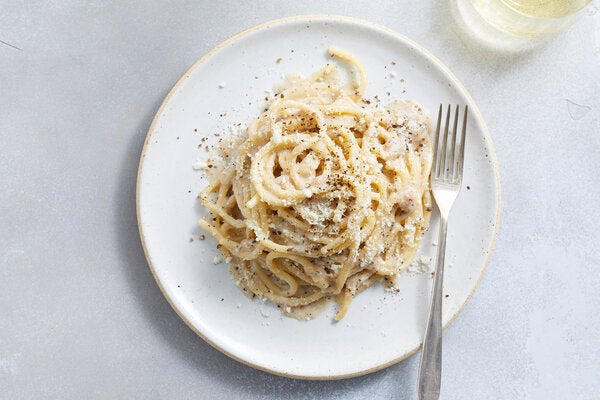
pixel 227 86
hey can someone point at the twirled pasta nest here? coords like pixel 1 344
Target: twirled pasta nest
pixel 327 193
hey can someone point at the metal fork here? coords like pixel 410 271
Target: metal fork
pixel 446 179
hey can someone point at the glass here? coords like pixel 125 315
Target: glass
pixel 516 24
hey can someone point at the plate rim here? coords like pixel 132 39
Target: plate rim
pixel 283 21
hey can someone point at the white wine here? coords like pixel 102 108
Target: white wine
pixel 511 26
pixel 529 17
pixel 547 8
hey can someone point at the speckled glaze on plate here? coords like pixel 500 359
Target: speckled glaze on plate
pixel 226 87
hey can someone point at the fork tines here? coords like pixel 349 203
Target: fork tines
pixel 448 162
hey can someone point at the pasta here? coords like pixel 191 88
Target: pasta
pixel 325 195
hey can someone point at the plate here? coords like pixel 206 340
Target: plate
pixel 227 87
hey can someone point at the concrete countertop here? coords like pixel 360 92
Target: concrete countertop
pixel 80 313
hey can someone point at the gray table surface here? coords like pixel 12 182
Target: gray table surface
pixel 80 314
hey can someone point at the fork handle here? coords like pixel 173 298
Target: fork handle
pixel 430 370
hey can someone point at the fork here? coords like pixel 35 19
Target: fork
pixel 446 179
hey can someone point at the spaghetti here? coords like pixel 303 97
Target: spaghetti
pixel 325 195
